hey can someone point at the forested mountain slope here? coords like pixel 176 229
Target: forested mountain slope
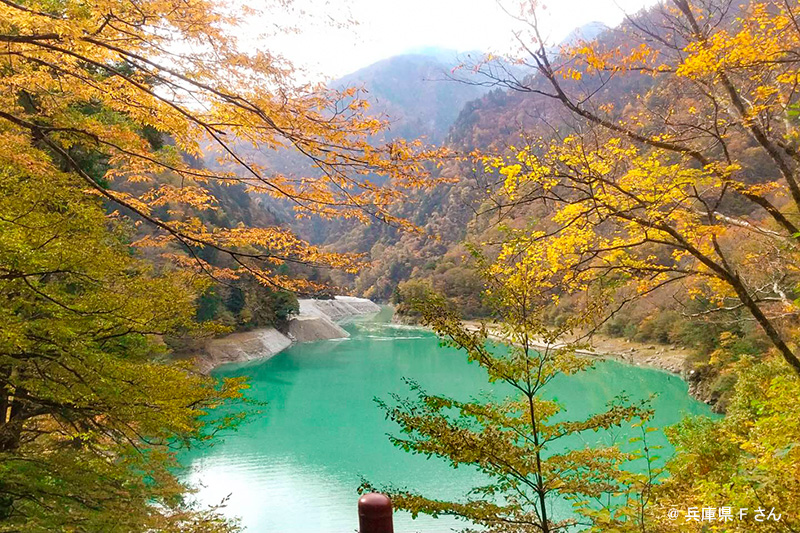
pixel 510 115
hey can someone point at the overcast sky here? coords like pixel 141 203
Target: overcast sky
pixel 389 27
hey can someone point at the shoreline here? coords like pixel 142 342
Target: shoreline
pixel 317 320
pixel 663 357
pixel 666 358
pixel 320 320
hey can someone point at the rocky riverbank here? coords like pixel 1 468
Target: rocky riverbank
pixel 670 358
pixel 665 357
pixel 317 320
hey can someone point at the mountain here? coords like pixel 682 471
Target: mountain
pixel 416 91
pixel 587 32
pixel 449 214
pixel 424 91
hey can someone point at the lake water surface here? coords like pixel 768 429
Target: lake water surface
pixel 295 467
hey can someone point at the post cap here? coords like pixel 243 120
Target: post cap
pixel 374 505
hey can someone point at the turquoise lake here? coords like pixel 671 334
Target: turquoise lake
pixel 295 466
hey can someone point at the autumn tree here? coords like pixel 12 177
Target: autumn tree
pixel 748 460
pixel 104 110
pixel 92 413
pixel 98 78
pixel 538 479
pixel 694 181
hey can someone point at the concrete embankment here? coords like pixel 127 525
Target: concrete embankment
pixel 317 320
pixel 339 309
pixel 241 347
pixel 306 328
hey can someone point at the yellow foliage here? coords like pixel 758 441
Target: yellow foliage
pixel 77 77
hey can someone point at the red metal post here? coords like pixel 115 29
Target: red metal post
pixel 375 513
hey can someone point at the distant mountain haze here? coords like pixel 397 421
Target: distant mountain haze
pixel 423 92
pixel 587 32
pixel 416 92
